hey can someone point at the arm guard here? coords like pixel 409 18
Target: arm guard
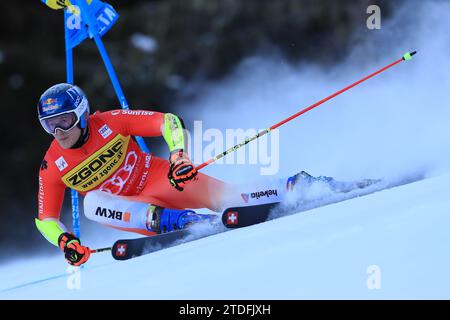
pixel 51 229
pixel 173 133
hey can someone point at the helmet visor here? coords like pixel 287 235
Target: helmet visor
pixel 64 122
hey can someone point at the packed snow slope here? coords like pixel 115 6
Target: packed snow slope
pixel 329 252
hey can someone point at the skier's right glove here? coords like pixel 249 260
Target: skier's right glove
pixel 75 253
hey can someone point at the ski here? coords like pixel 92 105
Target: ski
pixel 130 248
pixel 239 217
pixel 125 249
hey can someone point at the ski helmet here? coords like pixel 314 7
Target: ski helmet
pixel 63 106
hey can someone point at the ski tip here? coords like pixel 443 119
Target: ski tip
pixel 121 250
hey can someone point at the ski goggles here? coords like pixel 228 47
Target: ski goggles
pixel 64 122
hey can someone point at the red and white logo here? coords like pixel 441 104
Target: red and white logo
pixel 244 197
pixel 117 182
pixel 121 250
pixel 232 217
pixel 132 112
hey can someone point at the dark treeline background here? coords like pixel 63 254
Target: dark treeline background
pixel 157 48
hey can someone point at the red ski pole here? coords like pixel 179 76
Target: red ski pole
pixel 100 250
pixel 406 57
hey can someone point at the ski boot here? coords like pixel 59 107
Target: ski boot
pixel 166 220
pixel 336 186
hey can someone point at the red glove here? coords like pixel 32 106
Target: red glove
pixel 181 170
pixel 75 253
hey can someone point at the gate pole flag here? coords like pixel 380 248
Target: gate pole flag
pixel 91 19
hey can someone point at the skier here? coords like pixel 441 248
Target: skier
pixel 96 152
pixel 124 187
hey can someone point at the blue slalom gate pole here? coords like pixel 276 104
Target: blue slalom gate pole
pixel 69 79
pixel 91 23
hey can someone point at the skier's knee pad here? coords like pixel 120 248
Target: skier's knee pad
pixel 116 211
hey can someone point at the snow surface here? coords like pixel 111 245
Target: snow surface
pixel 394 124
pixel 324 253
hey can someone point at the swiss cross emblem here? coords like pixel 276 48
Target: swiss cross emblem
pixel 232 217
pixel 121 249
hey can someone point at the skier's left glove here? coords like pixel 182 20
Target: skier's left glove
pixel 181 170
pixel 75 253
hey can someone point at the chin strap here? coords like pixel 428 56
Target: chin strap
pixel 51 229
pixel 82 139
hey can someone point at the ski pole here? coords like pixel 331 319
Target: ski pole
pixel 100 250
pixel 406 57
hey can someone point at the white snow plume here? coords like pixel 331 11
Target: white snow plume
pixel 309 195
pixel 393 124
